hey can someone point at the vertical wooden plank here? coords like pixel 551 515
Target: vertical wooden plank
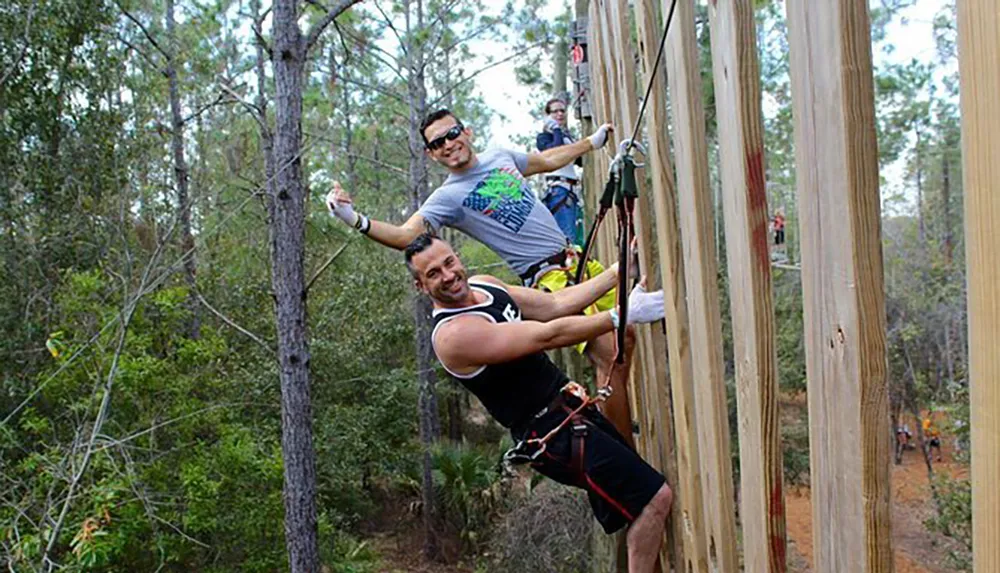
pixel 979 74
pixel 741 151
pixel 641 368
pixel 652 343
pixel 842 281
pixel 655 407
pixel 606 557
pixel 689 509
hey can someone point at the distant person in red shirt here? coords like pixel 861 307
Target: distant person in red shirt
pixel 779 228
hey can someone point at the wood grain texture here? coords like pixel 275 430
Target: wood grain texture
pixel 979 72
pixel 737 81
pixel 653 398
pixel 689 505
pixel 842 281
pixel 741 153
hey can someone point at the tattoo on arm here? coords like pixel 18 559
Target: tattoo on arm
pixel 428 228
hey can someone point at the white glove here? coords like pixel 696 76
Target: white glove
pixel 600 137
pixel 550 124
pixel 643 307
pixel 338 202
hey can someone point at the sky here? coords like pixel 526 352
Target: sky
pixel 911 33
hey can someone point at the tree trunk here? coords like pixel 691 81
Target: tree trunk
pixel 453 398
pixel 920 191
pixel 288 280
pixel 559 63
pixel 430 425
pixel 949 247
pixel 181 175
pixel 344 72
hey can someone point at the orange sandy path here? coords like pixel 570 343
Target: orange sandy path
pixel 910 497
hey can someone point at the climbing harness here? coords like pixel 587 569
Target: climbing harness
pixel 528 450
pixel 621 191
pixel 625 198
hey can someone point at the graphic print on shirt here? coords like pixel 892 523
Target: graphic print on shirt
pixel 503 196
pixel 511 314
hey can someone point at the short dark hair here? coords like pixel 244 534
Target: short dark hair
pixel 548 104
pixel 432 117
pixel 417 246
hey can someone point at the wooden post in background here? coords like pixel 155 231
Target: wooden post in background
pixel 842 281
pixel 609 552
pixel 979 71
pixel 652 344
pixel 651 399
pixel 741 157
pixel 695 203
pixel 688 507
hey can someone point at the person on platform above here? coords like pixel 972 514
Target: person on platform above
pixel 563 194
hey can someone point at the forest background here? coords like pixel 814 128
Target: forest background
pixel 173 288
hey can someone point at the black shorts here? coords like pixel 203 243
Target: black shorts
pixel 618 482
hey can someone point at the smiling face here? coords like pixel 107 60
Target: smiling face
pixel 456 154
pixel 438 272
pixel 557 111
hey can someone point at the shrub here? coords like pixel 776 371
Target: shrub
pixel 546 531
pixel 954 517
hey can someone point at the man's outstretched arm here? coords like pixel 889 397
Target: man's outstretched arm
pixel 546 306
pixel 558 157
pixel 396 236
pixel 472 341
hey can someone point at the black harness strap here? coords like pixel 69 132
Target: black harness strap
pixel 607 198
pixel 625 202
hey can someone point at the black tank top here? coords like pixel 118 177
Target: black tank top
pixel 514 391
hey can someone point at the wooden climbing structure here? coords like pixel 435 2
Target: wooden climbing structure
pixel 677 390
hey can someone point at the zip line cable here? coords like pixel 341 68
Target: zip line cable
pixel 652 77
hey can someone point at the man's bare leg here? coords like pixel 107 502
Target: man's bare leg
pixel 645 535
pixel 601 352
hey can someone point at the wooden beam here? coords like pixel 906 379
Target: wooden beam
pixel 741 158
pixel 688 504
pixel 606 558
pixel 651 340
pixel 842 282
pixel 979 74
pixel 653 408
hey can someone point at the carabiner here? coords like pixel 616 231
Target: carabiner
pixel 625 147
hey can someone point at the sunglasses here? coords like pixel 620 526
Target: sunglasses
pixel 558 110
pixel 452 135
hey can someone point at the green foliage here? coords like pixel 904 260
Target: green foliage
pixel 795 452
pixel 468 484
pixel 954 517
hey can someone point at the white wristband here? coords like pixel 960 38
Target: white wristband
pixel 364 224
pixel 614 317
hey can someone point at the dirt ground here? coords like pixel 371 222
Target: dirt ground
pixel 398 537
pixel 916 549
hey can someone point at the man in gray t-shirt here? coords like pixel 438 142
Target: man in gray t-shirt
pixel 491 201
pixel 487 197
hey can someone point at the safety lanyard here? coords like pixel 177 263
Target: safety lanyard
pixel 625 198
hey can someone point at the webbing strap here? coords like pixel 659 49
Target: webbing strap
pixel 607 198
pixel 625 202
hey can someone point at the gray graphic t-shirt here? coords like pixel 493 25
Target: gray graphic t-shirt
pixel 492 203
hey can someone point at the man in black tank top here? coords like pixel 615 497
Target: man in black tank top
pixel 492 338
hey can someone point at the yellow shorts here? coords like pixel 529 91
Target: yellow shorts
pixel 558 279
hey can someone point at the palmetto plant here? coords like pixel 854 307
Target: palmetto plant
pixel 469 488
